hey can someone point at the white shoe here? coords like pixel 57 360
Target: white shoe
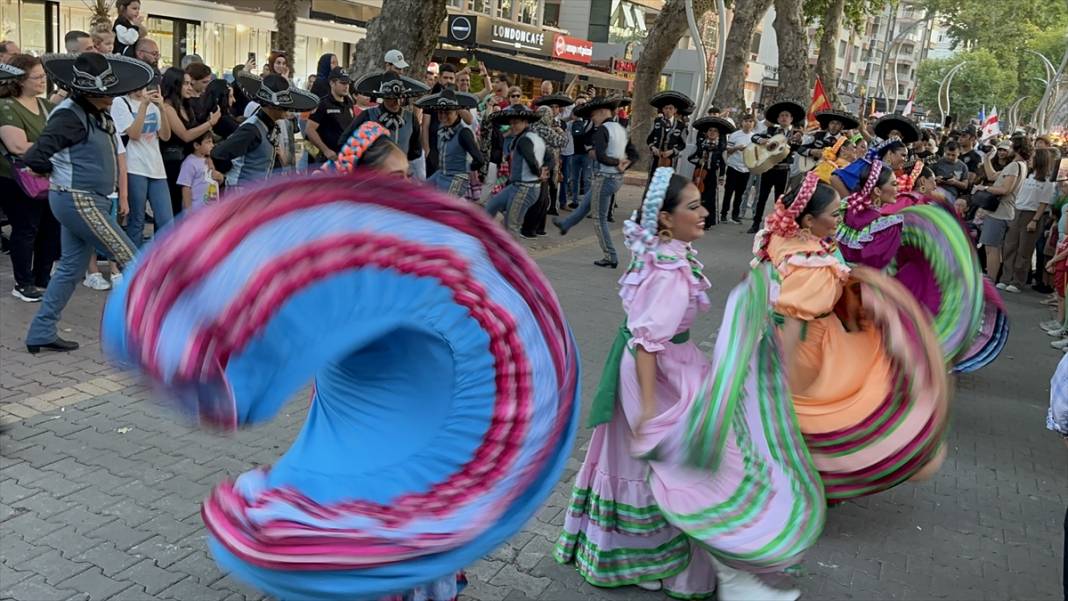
pixel 1012 288
pixel 651 585
pixel 1058 333
pixel 736 585
pixel 1000 286
pixel 1050 326
pixel 1060 344
pixel 116 278
pixel 95 281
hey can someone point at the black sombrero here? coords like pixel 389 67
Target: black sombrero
pixel 705 123
pixel 601 102
pixel 560 100
pixel 98 74
pixel 795 109
pixel 847 120
pixel 888 123
pixel 680 101
pixel 390 85
pixel 447 100
pixel 516 111
pixel 8 72
pixel 274 90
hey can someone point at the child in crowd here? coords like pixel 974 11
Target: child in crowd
pixel 129 26
pixel 103 41
pixel 198 178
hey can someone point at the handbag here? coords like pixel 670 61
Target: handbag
pixel 32 185
pixel 983 199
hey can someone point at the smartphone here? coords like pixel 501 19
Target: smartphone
pixel 252 56
pixel 153 86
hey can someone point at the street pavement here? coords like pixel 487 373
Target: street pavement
pixel 100 488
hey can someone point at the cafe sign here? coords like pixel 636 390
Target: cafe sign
pixel 484 32
pixel 572 49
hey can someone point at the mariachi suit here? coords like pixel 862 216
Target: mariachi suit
pixel 774 178
pixel 709 154
pixel 666 136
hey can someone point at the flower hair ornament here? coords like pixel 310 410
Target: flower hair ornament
pixel 354 149
pixel 641 235
pixel 783 220
pixel 908 180
pixel 861 199
pixel 831 153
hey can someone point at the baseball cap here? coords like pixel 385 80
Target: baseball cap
pixel 1004 145
pixel 970 131
pixel 396 58
pixel 339 74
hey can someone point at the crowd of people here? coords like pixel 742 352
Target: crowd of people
pixel 876 275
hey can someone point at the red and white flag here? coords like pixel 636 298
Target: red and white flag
pixel 991 126
pixel 908 105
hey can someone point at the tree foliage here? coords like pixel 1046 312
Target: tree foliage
pixel 1000 27
pixel 854 15
pixel 983 81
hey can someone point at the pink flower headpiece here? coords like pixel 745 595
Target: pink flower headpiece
pixel 783 220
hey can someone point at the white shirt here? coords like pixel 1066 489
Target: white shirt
pixel 734 159
pixel 143 156
pixel 1033 193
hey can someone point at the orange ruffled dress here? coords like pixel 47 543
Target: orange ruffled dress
pixel 871 399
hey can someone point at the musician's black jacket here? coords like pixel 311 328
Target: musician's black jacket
pixel 667 136
pixel 774 130
pixel 820 140
pixel 712 152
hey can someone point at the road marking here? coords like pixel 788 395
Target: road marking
pixel 17 411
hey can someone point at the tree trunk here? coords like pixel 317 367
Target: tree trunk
pixel 747 15
pixel 825 69
pixel 661 40
pixel 411 26
pixel 792 39
pixel 285 19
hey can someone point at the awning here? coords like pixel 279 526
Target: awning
pixel 552 70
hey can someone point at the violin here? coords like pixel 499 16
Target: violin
pixel 700 173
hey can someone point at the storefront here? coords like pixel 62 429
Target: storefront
pixel 223 35
pixel 530 54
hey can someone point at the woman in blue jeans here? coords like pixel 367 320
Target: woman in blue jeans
pixel 78 148
pixel 613 154
pixel 139 121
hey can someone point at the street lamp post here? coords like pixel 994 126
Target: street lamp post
pixel 943 89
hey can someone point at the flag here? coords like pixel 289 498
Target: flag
pixel 991 127
pixel 982 116
pixel 908 105
pixel 819 101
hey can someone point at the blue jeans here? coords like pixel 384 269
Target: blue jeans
pixel 602 188
pixel 84 223
pixel 514 200
pixel 143 190
pixel 565 175
pixel 578 177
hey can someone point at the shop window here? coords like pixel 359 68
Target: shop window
pixel 480 6
pixel 552 15
pixel 162 31
pixel 224 46
pixel 504 9
pixel 25 23
pixel 528 12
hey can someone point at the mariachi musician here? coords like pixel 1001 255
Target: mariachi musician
pixel 392 92
pixel 707 159
pixel 833 125
pixel 781 118
pixel 667 138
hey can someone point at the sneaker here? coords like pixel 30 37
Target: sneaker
pixel 116 279
pixel 736 585
pixel 1012 288
pixel 651 585
pixel 95 281
pixel 733 221
pixel 1060 344
pixel 28 293
pixel 1000 286
pixel 1050 326
pixel 1058 333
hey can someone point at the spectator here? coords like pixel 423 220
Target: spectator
pixel 78 147
pixel 395 62
pixel 1033 197
pixel 200 76
pixel 951 173
pixel 34 231
pixel 310 82
pixel 332 118
pixel 77 42
pixel 177 91
pixel 546 87
pixel 189 59
pixel 323 84
pixel 103 41
pixel 278 63
pixel 139 120
pixel 220 95
pixel 129 26
pixel 431 77
pixel 7 50
pixel 237 107
pixel 1007 181
pixel 198 179
pixel 147 51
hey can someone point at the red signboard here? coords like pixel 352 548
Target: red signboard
pixel 623 68
pixel 572 49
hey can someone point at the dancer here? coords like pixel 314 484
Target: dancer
pixel 751 499
pixel 248 156
pixel 78 147
pixel 841 154
pixel 434 341
pixel 527 166
pixel 779 118
pixel 554 137
pixel 707 159
pixel 866 372
pixel 613 154
pixel 667 138
pixel 458 158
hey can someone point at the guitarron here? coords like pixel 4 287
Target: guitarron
pixel 761 158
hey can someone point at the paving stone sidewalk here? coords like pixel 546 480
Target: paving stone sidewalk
pixel 100 488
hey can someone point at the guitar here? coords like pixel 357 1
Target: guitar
pixel 762 158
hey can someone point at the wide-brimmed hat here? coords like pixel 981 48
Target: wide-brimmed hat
pixel 682 103
pixel 795 109
pixel 8 72
pixel 705 123
pixel 909 131
pixel 447 100
pixel 274 90
pixel 390 85
pixel 847 120
pixel 560 100
pixel 601 102
pixel 98 74
pixel 516 111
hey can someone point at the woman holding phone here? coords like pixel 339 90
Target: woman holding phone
pixel 139 120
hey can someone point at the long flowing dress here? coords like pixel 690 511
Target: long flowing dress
pixel 747 492
pixel 867 379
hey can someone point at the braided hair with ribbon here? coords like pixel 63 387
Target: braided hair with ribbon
pixel 783 220
pixel 355 148
pixel 861 199
pixel 640 231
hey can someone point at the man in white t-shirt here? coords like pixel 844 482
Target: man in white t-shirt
pixel 140 122
pixel 737 172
